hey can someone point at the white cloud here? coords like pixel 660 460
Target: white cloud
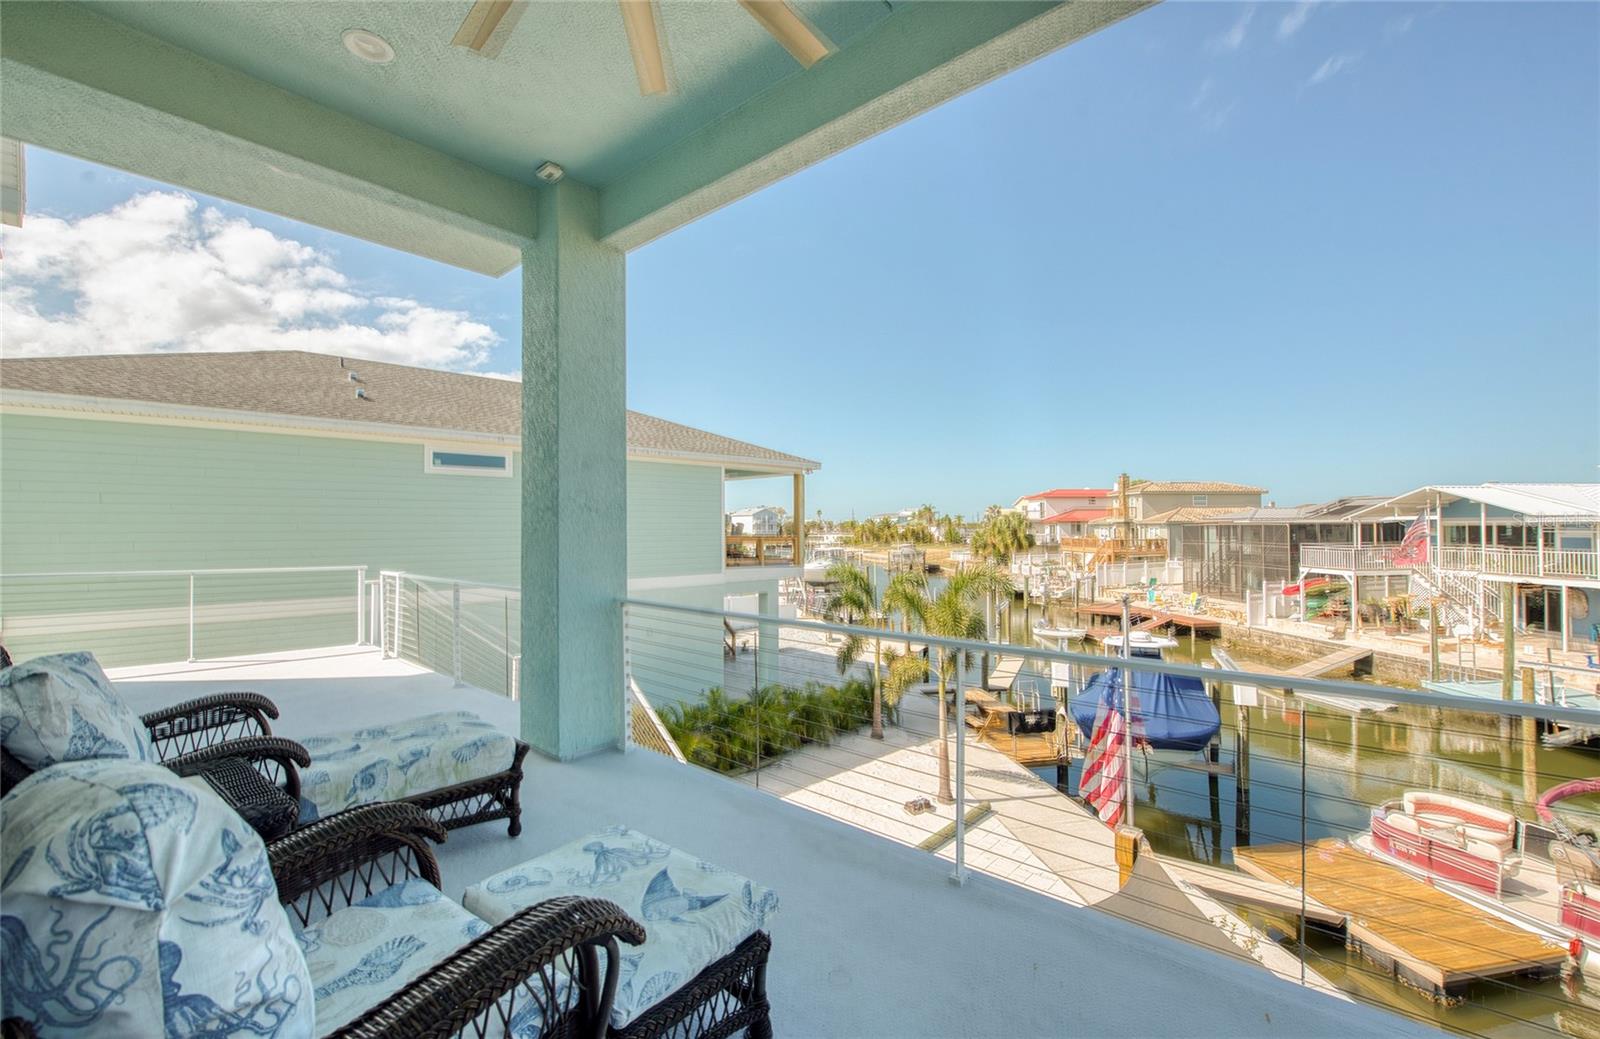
pixel 158 273
pixel 1395 28
pixel 1211 110
pixel 1295 20
pixel 1232 38
pixel 1332 67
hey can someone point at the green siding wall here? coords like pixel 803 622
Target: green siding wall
pixel 87 494
pixel 674 519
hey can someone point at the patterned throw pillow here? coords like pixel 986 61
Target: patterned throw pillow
pixel 64 708
pixel 138 903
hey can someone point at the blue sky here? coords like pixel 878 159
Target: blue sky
pixel 1327 249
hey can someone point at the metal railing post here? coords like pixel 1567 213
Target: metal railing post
pixel 627 685
pixel 455 631
pixel 755 687
pixel 361 595
pixel 398 630
pixel 960 875
pixel 191 616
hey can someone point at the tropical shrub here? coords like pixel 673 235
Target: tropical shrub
pixel 730 735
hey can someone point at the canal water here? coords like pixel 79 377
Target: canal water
pixel 1339 767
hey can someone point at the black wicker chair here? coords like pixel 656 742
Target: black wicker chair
pixel 547 955
pixel 192 734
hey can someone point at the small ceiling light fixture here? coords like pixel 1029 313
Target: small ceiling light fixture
pixel 368 46
pixel 549 172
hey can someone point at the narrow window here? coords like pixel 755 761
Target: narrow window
pixel 467 463
pixel 1200 500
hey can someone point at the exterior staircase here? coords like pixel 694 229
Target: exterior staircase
pixel 1457 597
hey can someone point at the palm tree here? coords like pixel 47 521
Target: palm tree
pixel 856 602
pixel 1001 536
pixel 953 613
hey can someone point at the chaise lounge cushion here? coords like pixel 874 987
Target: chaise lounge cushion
pixel 694 912
pixel 400 760
pixel 364 953
pixel 63 708
pixel 131 896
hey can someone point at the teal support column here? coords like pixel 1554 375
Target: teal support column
pixel 767 644
pixel 574 479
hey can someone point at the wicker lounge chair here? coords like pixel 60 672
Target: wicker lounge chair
pixel 199 736
pixel 537 974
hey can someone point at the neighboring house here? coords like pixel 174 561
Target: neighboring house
pixel 1538 541
pixel 1150 504
pixel 1063 512
pixel 759 521
pixel 292 459
pixel 1228 552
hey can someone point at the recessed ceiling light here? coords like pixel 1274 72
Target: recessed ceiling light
pixel 549 172
pixel 368 46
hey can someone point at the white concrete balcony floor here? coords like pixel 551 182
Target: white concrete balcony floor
pixel 872 939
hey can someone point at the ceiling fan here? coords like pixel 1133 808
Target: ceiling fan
pixel 490 22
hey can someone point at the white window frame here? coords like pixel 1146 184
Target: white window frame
pixel 465 470
pixel 1199 501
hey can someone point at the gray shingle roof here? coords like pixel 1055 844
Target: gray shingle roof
pixel 317 386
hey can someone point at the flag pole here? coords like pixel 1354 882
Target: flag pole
pixel 1127 721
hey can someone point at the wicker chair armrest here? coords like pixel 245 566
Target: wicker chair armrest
pixel 529 948
pixel 349 844
pixel 193 724
pixel 284 753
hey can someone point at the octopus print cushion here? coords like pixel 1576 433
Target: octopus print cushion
pixel 63 708
pixel 694 912
pixel 133 902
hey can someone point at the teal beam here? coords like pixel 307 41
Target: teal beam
pixel 84 85
pixel 574 479
pixel 921 56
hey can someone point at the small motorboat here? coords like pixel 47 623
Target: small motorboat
pixel 1045 630
pixel 1449 838
pixel 1141 640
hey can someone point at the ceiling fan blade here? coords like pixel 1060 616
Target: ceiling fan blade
pixel 487 25
pixel 790 28
pixel 644 41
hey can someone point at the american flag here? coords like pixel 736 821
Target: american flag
pixel 1413 549
pixel 1103 782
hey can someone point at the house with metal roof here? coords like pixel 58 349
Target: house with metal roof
pixel 1532 547
pixel 290 459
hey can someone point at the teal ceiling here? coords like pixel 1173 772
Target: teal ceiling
pixel 563 87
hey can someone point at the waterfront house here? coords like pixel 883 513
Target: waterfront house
pixel 757 520
pixel 1226 552
pixel 1062 512
pixel 1536 542
pixel 289 459
pixel 1141 508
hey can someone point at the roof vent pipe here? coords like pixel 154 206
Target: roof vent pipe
pixel 361 394
pixel 352 376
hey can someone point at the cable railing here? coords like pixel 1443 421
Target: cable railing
pixel 151 616
pixel 469 630
pixel 1399 846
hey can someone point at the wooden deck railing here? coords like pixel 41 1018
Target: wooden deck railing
pixel 760 550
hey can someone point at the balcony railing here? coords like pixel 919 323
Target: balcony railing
pixel 1378 559
pixel 1581 564
pixel 760 550
pixel 1282 802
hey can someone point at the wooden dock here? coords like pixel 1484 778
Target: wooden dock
pixel 989 725
pixel 1430 938
pixel 1145 617
pixel 1341 658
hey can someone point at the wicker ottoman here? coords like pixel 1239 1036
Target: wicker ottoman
pixel 453 765
pixel 702 970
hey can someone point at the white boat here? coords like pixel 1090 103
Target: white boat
pixel 1138 640
pixel 1045 630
